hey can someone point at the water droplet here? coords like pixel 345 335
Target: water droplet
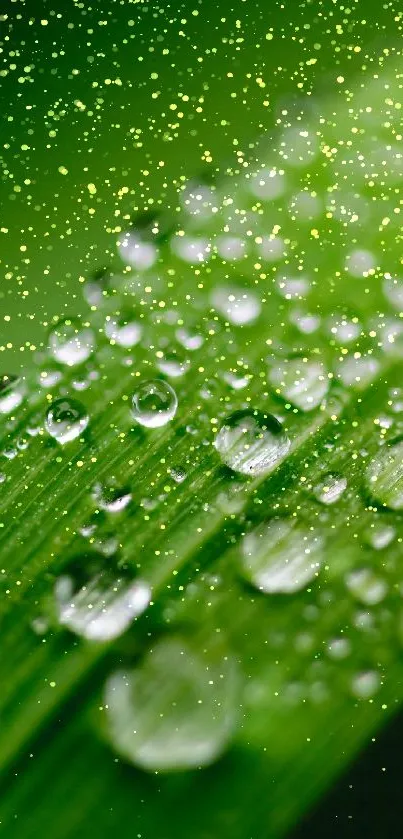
pixel 365 685
pixel 236 380
pixel 173 364
pixel 96 604
pixel 380 535
pixel 40 625
pixel 267 184
pixel 237 305
pixel 193 249
pixel 154 403
pixel 338 648
pixel 136 252
pixel 330 488
pixel 344 331
pixel 360 262
pixel 66 419
pixel 123 330
pixel 49 378
pixel 70 342
pixel 301 381
pixel 251 442
pixel 358 373
pixel 111 498
pixel 281 557
pixel 177 710
pixel 11 393
pixel 189 339
pixel 366 587
pixel 293 288
pixel 178 474
pixel 384 475
pixel 231 248
pixel 233 499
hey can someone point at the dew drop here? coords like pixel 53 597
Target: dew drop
pixel 379 535
pixel 360 262
pixel 301 381
pixel 251 442
pixel 364 685
pixel 384 475
pixel 11 393
pixel 239 306
pixel 154 403
pixel 173 364
pixel 281 557
pixel 338 648
pixel 330 488
pixel 136 252
pixel 177 710
pixel 96 604
pixel 366 586
pixel 123 330
pixel 66 419
pixel 111 498
pixel 70 342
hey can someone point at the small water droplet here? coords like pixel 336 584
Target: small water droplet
pixel 189 339
pixel 380 535
pixel 251 443
pixel 176 710
pixel 96 604
pixel 239 306
pixel 338 648
pixel 366 586
pixel 11 393
pixel 70 342
pixel 330 488
pixel 123 330
pixel 301 381
pixel 154 403
pixel 173 364
pixel 40 625
pixel 281 557
pixel 365 685
pixel 137 252
pixel 236 380
pixel 66 419
pixel 111 498
pixel 360 262
pixel 178 474
pixel 384 475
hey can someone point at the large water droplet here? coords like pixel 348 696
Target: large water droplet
pixel 96 604
pixel 281 557
pixel 177 710
pixel 66 419
pixel 70 342
pixel 301 381
pixel 384 476
pixel 252 443
pixel 154 403
pixel 11 393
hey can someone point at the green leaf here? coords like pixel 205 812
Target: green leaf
pixel 201 619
